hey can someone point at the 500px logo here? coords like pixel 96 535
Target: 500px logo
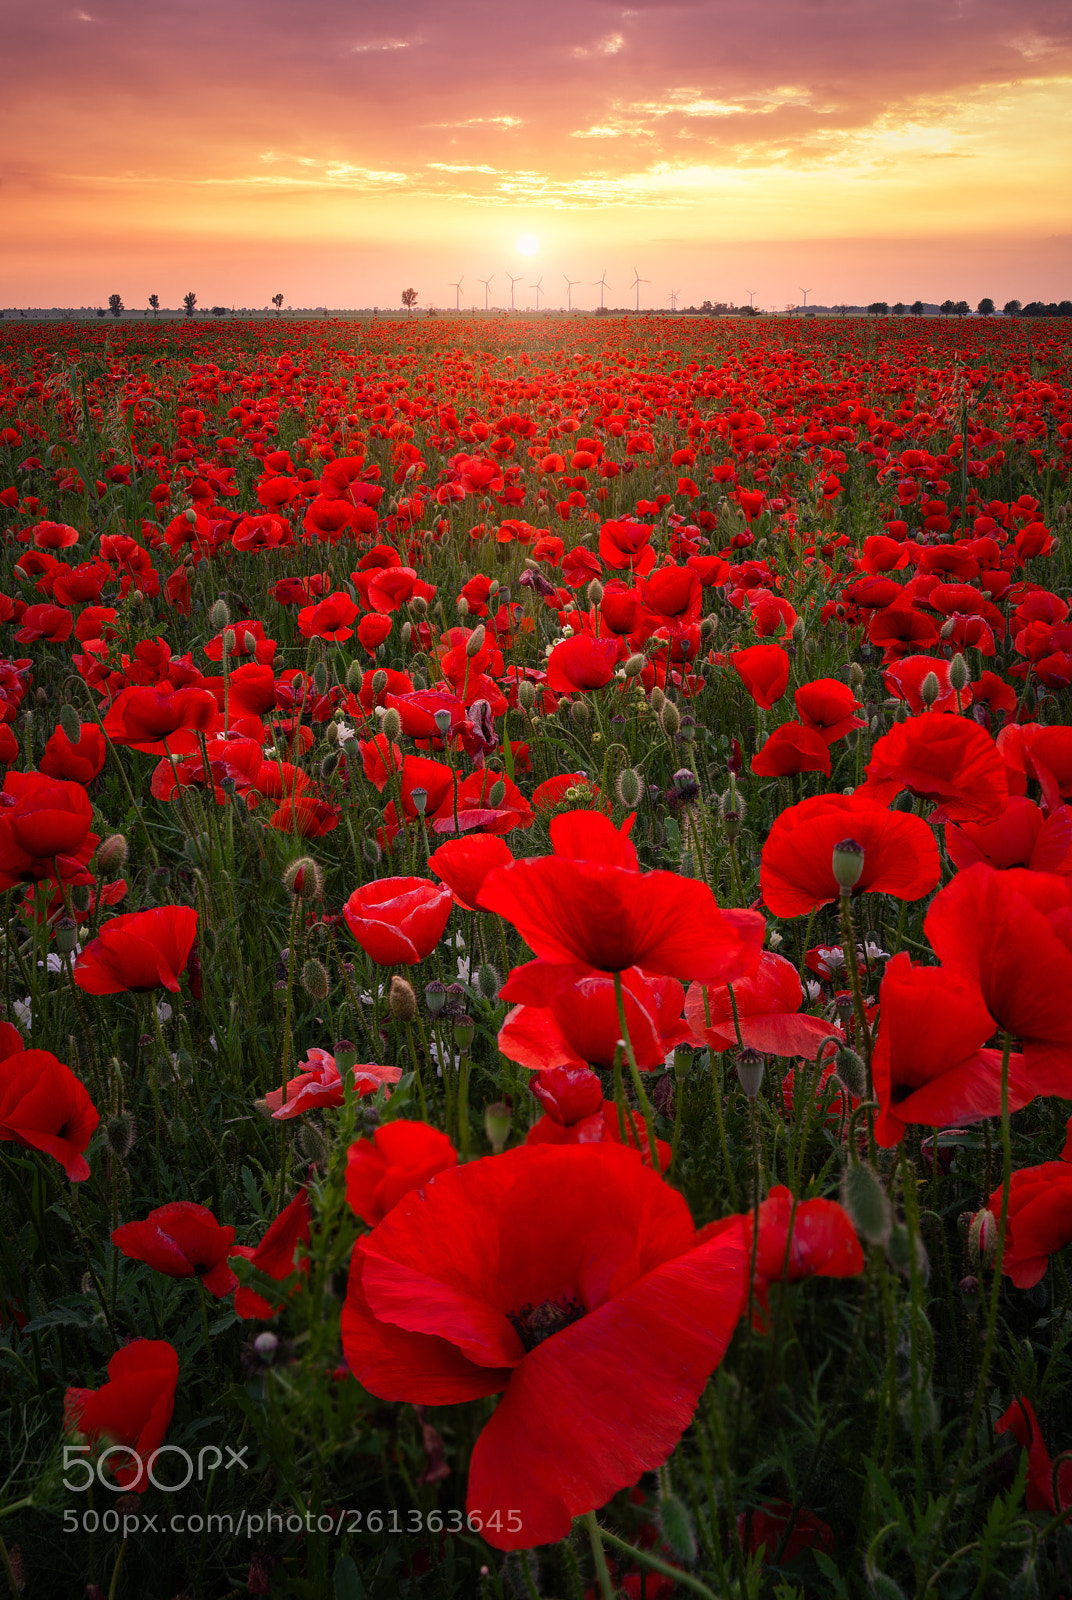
pixel 73 1454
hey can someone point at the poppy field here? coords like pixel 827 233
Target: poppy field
pixel 536 1032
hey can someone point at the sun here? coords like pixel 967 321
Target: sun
pixel 527 244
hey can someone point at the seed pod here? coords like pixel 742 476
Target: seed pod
pixel 847 864
pixel 498 1120
pixel 751 1065
pixel 867 1203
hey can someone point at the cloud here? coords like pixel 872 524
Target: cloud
pixel 380 44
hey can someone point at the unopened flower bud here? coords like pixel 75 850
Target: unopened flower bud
pixel 120 1131
pixel 371 852
pixel 81 897
pixel 751 1065
pixel 249 643
pixel 856 676
pixel 851 1071
pixel 320 678
pixel 219 616
pixel 847 864
pixel 475 642
pixel 959 674
pixel 70 724
pixel 401 1000
pixel 112 855
pixel 930 689
pixel 497 794
pixel 634 664
pixel 379 681
pixel 595 592
pixel 391 725
pixel 526 694
pixel 227 641
pixel 315 980
pixel 675 1524
pixel 580 714
pixel 304 879
pixel 354 675
pixel 670 718
pixel 498 1120
pixel 311 1142
pixel 330 762
pixel 656 699
pixel 685 785
pixel 867 1203
pixel 629 788
pixel 983 1240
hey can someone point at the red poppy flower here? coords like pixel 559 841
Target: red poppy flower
pixel 251 690
pixel 672 594
pixel 1021 1421
pixel 813 1239
pixel 1010 934
pixel 329 619
pixel 950 760
pixel 305 816
pixel 52 624
pixel 76 763
pixel 400 1157
pixel 275 1256
pixel 398 919
pixel 768 1011
pixel 899 629
pixel 572 1283
pixel 575 1112
pixel 320 1086
pixel 160 719
pixel 132 1409
pixel 906 678
pixel 44 829
pixel 181 1240
pixel 829 707
pixel 43 1106
pixel 140 950
pixel 929 1065
pixel 1030 750
pixel 626 544
pixel 1020 837
pixel 581 663
pixel 10 1040
pixel 1039 1220
pixel 900 855
pixel 373 630
pixel 607 916
pixel 764 671
pixel 463 864
pixel 770 1521
pixel 568 1016
pixel 554 791
pixel 789 749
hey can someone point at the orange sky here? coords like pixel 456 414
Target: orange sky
pixel 239 149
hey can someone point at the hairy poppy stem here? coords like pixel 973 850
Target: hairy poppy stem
pixel 654 1564
pixel 599 1556
pixel 634 1070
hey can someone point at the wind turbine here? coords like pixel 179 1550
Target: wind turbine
pixel 637 281
pixel 805 293
pixel 538 287
pixel 486 282
pixel 601 284
pixel 751 292
pixel 457 287
pixel 513 280
pixel 673 299
pixel 571 284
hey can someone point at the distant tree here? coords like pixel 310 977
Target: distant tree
pixel 899 309
pixel 409 300
pixel 842 311
pixel 916 308
pixel 277 301
pixel 100 312
pixel 878 308
pixel 189 301
pixel 947 308
pixel 219 311
pixel 985 307
pixel 154 303
pixel 961 308
pixel 1012 308
pixel 115 304
pixel 1065 308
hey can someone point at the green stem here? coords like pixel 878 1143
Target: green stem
pixel 646 1559
pixel 599 1556
pixel 634 1072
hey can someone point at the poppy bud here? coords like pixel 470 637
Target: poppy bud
pixel 867 1203
pixel 899 1251
pixel 946 630
pixel 391 725
pixel 629 788
pixel 883 1586
pixel 219 616
pixel 315 980
pixel 70 724
pixel 656 699
pixel 580 715
pixel 345 1053
pixel 112 855
pixel 969 1288
pixel 851 1071
pixel 371 851
pixel 311 1143
pixel 406 630
pixel 847 864
pixel 983 1240
pixel 320 678
pixel 708 629
pixel 178 1132
pixel 401 1000
pixel 435 997
pixel 595 592
pixel 227 641
pixel 750 1068
pixel 959 674
pixel 120 1132
pixel 463 607
pixel 331 732
pixel 498 1119
pixel 497 794
pixel 526 694
pixel 634 664
pixel 249 643
pixel 379 681
pixel 930 689
pixel 475 642
pixel 354 675
pixel 66 936
pixel 81 897
pixel 488 982
pixel 329 763
pixel 675 1524
pixel 304 879
pixel 670 718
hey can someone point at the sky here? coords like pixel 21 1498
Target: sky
pixel 338 152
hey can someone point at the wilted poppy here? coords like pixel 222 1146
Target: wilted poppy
pixel 572 1283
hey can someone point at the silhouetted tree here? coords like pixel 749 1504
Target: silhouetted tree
pixel 916 308
pixel 1012 308
pixel 985 307
pixel 947 308
pixel 115 305
pixel 189 301
pixel 154 303
pixel 277 301
pixel 409 299
pixel 878 308
pixel 961 308
pixel 899 309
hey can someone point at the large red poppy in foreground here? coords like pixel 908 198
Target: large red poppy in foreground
pixel 571 1282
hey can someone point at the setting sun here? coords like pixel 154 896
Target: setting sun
pixel 527 244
